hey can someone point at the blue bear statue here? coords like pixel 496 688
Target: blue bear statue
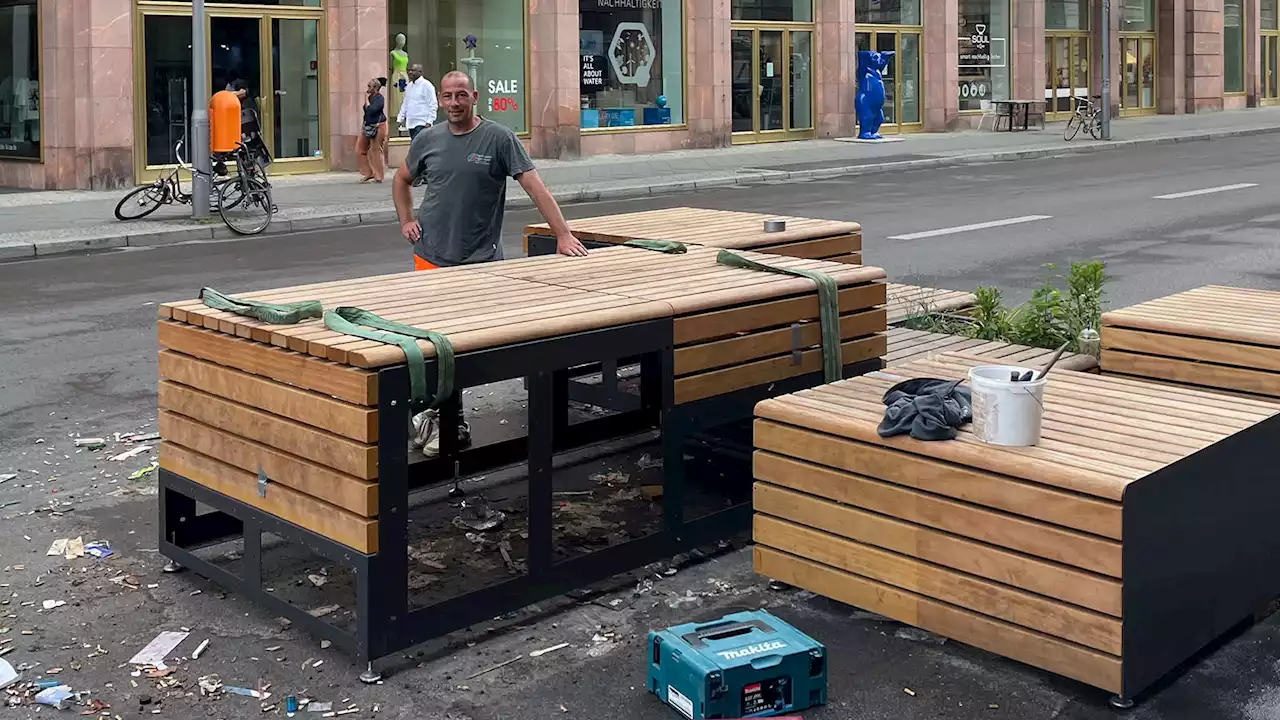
pixel 869 102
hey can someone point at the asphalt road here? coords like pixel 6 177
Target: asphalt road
pixel 78 352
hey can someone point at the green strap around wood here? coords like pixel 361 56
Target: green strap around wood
pixel 287 314
pixel 364 324
pixel 670 247
pixel 828 308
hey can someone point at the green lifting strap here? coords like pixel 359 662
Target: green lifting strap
pixel 288 314
pixel 356 322
pixel 828 306
pixel 670 247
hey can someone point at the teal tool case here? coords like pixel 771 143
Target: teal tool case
pixel 744 665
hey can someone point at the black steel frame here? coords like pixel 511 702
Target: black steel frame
pixel 1199 553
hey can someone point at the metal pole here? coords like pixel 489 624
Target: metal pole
pixel 200 114
pixel 1106 69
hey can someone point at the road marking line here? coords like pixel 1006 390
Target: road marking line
pixel 1206 191
pixel 969 228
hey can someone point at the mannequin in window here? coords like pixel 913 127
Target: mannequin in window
pixel 399 75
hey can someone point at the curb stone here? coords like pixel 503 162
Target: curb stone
pixel 20 249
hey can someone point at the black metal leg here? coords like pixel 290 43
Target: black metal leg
pixel 674 431
pixel 1120 702
pixel 383 586
pixel 542 413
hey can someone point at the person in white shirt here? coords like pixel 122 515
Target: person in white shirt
pixel 418 111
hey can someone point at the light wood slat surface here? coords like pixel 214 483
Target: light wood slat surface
pixel 908 345
pixel 1094 464
pixel 1237 315
pixel 714 228
pixel 1215 337
pixel 907 301
pixel 495 304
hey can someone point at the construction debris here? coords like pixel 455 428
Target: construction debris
pixel 544 651
pixel 158 649
pixel 491 668
pixel 129 453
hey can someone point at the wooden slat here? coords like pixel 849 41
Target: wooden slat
pixel 1186 371
pixel 724 323
pixel 360 534
pixel 1196 349
pixel 733 351
pixel 760 372
pixel 1036 649
pixel 1050 542
pixel 1050 579
pixel 1000 492
pixel 823 248
pixel 716 228
pixel 281 433
pixel 352 421
pixel 996 600
pixel 344 491
pixel 354 386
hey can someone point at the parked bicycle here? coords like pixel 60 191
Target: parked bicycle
pixel 243 200
pixel 1087 116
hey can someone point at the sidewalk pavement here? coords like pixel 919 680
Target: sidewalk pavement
pixel 63 221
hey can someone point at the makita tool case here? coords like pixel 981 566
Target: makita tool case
pixel 744 665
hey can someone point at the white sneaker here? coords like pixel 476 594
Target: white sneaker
pixel 424 428
pixel 431 448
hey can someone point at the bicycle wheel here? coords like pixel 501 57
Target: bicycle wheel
pixel 1073 127
pixel 227 193
pixel 252 213
pixel 1095 126
pixel 142 201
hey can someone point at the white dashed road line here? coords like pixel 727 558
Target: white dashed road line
pixel 969 228
pixel 1206 191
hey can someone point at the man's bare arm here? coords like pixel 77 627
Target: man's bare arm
pixel 566 243
pixel 402 194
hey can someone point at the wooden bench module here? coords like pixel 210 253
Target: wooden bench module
pixel 832 240
pixel 1218 337
pixel 1085 555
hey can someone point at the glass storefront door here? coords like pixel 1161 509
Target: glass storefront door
pixel 1066 72
pixel 772 83
pixel 1270 45
pixel 902 112
pixel 1137 73
pixel 277 53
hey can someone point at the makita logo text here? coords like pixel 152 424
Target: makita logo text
pixel 752 650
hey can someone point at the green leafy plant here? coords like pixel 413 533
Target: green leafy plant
pixel 1051 317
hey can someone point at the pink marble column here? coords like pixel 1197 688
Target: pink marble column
pixel 1204 55
pixel 941 73
pixel 359 49
pixel 1027 46
pixel 836 68
pixel 1171 67
pixel 86 98
pixel 707 52
pixel 553 95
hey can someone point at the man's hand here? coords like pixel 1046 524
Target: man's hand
pixel 412 232
pixel 567 244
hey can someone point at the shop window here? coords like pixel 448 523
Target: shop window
pixel 1270 14
pixel 483 38
pixel 770 10
pixel 632 61
pixel 984 52
pixel 19 80
pixel 888 12
pixel 1066 14
pixel 1233 46
pixel 1137 15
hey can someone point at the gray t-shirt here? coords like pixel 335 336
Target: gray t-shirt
pixel 466 184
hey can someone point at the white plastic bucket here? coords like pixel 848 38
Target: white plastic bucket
pixel 1006 412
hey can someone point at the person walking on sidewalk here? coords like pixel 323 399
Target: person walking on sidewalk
pixel 418 111
pixel 371 148
pixel 465 163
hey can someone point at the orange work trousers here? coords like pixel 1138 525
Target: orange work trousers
pixel 420 264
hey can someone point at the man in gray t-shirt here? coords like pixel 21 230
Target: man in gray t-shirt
pixel 465 164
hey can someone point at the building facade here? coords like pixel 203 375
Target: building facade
pixel 97 93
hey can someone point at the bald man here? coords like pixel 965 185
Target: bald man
pixel 465 163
